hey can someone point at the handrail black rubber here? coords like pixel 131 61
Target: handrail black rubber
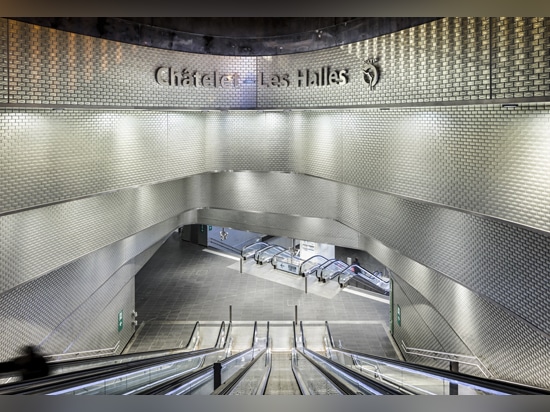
pixel 307 260
pixel 494 384
pixel 174 383
pixel 376 385
pixel 80 377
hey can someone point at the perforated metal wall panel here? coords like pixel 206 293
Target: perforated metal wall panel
pixel 38 241
pixel 520 57
pixel 3 61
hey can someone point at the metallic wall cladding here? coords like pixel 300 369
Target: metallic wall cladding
pixel 453 198
pixel 484 159
pixel 498 339
pixel 3 61
pixel 76 306
pixel 315 229
pixel 463 248
pixel 446 60
pixel 40 240
pixel 520 57
pixel 55 67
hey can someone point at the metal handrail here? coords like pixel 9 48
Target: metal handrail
pixel 450 357
pixel 86 354
pixel 226 246
pixel 195 336
pixel 308 259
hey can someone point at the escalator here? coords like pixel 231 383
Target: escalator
pixel 414 379
pixel 277 359
pixel 123 373
pixel 355 275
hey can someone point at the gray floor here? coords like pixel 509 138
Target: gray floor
pixel 183 283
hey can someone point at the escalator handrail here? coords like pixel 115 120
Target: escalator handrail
pixel 226 387
pixel 493 384
pixel 334 274
pixel 267 248
pixel 460 377
pixel 209 369
pixel 222 329
pixel 252 244
pixel 382 388
pixel 81 377
pixel 90 363
pixel 323 266
pixel 195 329
pixel 308 259
pixel 365 270
pixel 261 250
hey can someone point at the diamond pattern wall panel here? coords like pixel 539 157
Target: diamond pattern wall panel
pixel 521 57
pixel 55 67
pixel 490 257
pixel 4 61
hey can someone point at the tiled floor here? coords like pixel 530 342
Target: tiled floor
pixel 183 283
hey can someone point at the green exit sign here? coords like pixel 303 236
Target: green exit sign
pixel 120 320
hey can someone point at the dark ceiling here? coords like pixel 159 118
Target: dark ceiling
pixel 241 26
pixel 239 36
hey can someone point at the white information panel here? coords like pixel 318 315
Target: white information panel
pixel 309 249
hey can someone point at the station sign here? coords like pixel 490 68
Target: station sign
pixel 326 76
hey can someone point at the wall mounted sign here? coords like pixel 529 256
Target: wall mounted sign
pixel 325 76
pixel 370 73
pixel 120 320
pixel 169 76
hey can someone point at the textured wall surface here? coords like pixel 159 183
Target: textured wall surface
pixel 446 60
pixel 75 307
pixel 521 58
pixel 452 197
pixel 3 61
pixel 483 159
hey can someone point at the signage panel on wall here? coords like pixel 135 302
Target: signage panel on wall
pixel 321 77
pixel 120 320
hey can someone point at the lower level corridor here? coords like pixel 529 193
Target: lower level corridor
pixel 184 283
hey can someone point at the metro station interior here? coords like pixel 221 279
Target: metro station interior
pixel 285 206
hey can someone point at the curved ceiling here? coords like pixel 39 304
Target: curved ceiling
pixel 237 36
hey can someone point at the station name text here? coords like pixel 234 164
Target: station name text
pixel 325 76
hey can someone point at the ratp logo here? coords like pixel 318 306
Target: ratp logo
pixel 370 73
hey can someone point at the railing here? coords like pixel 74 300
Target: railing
pixel 449 357
pixel 193 339
pixel 250 250
pixel 226 246
pixel 94 353
pixel 355 270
